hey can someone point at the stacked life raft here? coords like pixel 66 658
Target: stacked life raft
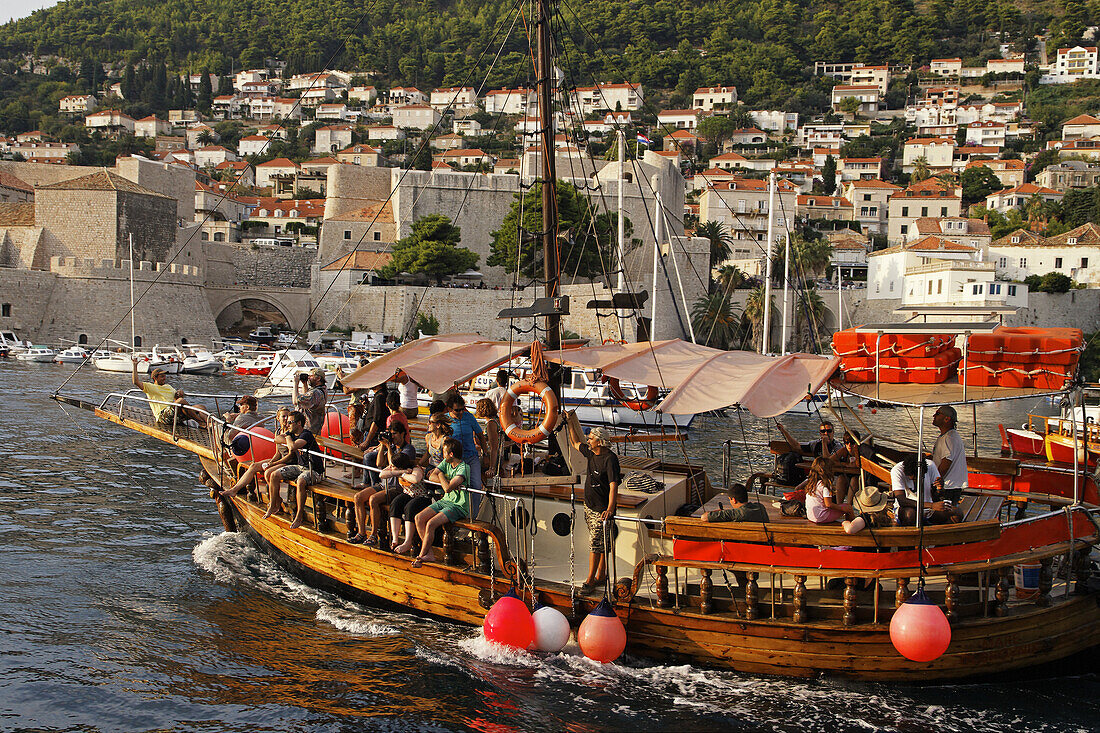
pixel 901 358
pixel 1043 358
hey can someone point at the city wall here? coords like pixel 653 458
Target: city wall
pixel 258 265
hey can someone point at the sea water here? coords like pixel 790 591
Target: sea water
pixel 124 606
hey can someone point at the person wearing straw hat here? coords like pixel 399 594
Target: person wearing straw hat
pixel 601 490
pixel 871 503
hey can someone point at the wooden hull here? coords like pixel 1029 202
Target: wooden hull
pixel 1059 449
pixel 979 649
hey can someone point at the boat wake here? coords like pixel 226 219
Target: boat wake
pixel 636 689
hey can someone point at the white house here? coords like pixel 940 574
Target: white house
pixel 331 138
pixel 1081 127
pixel 360 155
pixel 1009 172
pixel 510 102
pixel 748 136
pixel 1068 174
pixel 110 120
pixel 937 270
pixel 1075 253
pixel 878 76
pixel 416 117
pixel 201 130
pixel 987 134
pixel 605 97
pixel 456 98
pixel 212 155
pixel 151 126
pixel 938 152
pixel 870 203
pixel 468 127
pixel 1079 62
pixel 854 169
pixel 287 108
pixel 741 204
pixel 252 145
pixel 227 106
pixel 708 99
pixel 77 104
pixel 867 94
pixel 365 95
pixel 267 172
pixel 401 96
pixel 1005 66
pixel 467 156
pixel 677 119
pixel 385 132
pixel 927 198
pixel 946 67
pixel 971 232
pixel 331 111
pixel 1018 197
pixel 775 120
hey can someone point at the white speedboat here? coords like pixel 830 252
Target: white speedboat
pixel 330 363
pixel 72 355
pixel 146 362
pixel 201 361
pixel 37 354
pixel 13 344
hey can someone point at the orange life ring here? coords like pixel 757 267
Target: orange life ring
pixel 637 403
pixel 549 406
pixel 612 341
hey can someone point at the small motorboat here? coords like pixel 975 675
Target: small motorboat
pixel 1023 442
pixel 258 366
pixel 146 362
pixel 201 361
pixel 37 354
pixel 1059 449
pixel 72 355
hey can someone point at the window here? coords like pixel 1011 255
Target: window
pixel 1057 263
pixel 929 287
pixel 219 236
pixel 977 290
pixel 1011 290
pixel 1023 262
pixel 924 211
pixel 204 236
pixel 82 338
pixel 939 286
pixel 904 229
pixel 137 341
pixel 866 197
pixel 864 211
pixel 1084 262
pixel 1002 263
pixel 5 310
pixel 994 289
pixel 378 236
pixel 1016 239
pixel 891 287
pixel 943 211
pixel 905 211
pixel 874 211
pixel 1071 240
pixel 741 206
pixel 347 234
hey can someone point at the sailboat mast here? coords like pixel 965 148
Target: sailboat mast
pixel 549 176
pixel 621 233
pixel 765 344
pixel 786 287
pixel 133 330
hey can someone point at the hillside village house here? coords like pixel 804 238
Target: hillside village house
pixel 1005 66
pixel 876 76
pixel 849 258
pixel 331 138
pixel 111 121
pixel 741 205
pixel 261 88
pixel 800 174
pixel 371 225
pixel 1020 196
pixel 853 169
pixel 867 94
pixel 1009 172
pixel 1081 127
pixel 42 152
pixel 506 166
pixel 870 203
pixel 151 126
pixel 1075 253
pixel 774 120
pixel 607 97
pixel 937 270
pixel 457 98
pixel 946 67
pixel 469 127
pixel 468 156
pixel 938 153
pixel 252 145
pixel 928 198
pixel 709 99
pixel 364 95
pixel 986 134
pixel 416 117
pixel 211 155
pixel 971 232
pixel 239 171
pixel 196 135
pixel 279 214
pixel 748 136
pixel 384 132
pixel 1079 62
pixel 360 155
pixel 681 140
pixel 267 172
pixel 227 107
pixel 511 102
pixel 331 111
pixel 677 119
pixel 1081 149
pixel 401 96
pixel 312 98
pixel 77 104
pixel 1068 174
pixel 34 136
pixel 829 208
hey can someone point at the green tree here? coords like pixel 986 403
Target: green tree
pixel 1055 282
pixel 1039 162
pixel 921 171
pixel 754 312
pixel 730 277
pixel 1033 282
pixel 828 175
pixel 431 249
pixel 584 238
pixel 205 98
pixel 716 128
pixel 720 241
pixel 850 106
pixel 977 183
pixel 809 319
pixel 426 324
pixel 716 320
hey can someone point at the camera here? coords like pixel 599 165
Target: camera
pixel 386 435
pixel 303 377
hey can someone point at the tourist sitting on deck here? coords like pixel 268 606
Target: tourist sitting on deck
pixel 501 450
pixel 305 469
pixel 787 471
pixel 310 397
pixel 267 468
pixel 414 498
pixel 903 482
pixel 820 506
pixel 376 418
pixel 870 503
pixel 453 475
pixel 949 455
pixel 741 509
pixel 846 485
pixel 165 401
pixel 383 486
pixel 601 492
pixel 244 417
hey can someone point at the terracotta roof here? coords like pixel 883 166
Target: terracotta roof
pixel 677 112
pixel 861 160
pixel 875 183
pixel 359 260
pixel 1004 165
pixel 932 225
pixel 278 163
pixel 7 180
pixel 305 207
pixel 359 149
pixel 929 141
pixel 929 188
pixel 327 160
pixel 938 244
pixel 464 152
pixel 379 211
pixel 815 200
pixel 1082 120
pixel 17 215
pixel 753 184
pixel 103 180
pixel 1028 189
pixel 1026 238
pixel 237 165
pixel 728 156
pixel 1085 234
pixel 682 134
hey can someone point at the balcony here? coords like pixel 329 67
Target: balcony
pixel 949 265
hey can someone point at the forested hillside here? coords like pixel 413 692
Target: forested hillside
pixel 762 46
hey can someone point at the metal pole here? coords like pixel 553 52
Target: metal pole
pixel 786 288
pixel 920 469
pixel 656 254
pixel 1076 448
pixel 839 298
pixel 966 342
pixel 765 345
pixel 133 329
pixel 620 253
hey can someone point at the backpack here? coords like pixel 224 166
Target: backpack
pixel 787 471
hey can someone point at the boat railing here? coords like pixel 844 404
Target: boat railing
pixel 970 579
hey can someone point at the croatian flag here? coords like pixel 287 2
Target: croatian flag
pixel 644 140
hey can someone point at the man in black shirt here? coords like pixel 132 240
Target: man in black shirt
pixel 824 446
pixel 601 490
pixel 305 469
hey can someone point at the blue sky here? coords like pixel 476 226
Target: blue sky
pixel 18 8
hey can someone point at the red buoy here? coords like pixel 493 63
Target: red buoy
pixel 509 623
pixel 337 426
pixel 261 445
pixel 919 630
pixel 601 636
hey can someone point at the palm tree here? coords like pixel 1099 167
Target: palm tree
pixel 921 171
pixel 754 312
pixel 716 320
pixel 720 241
pixel 205 138
pixel 730 278
pixel 809 317
pixel 813 255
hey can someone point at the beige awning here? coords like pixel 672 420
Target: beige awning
pixel 437 362
pixel 702 379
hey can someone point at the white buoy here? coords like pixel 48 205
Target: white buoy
pixel 551 629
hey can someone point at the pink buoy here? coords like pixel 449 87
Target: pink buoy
pixel 602 636
pixel 551 629
pixel 919 630
pixel 262 445
pixel 509 623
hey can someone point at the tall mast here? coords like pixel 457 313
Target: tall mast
pixel 765 345
pixel 549 176
pixel 620 239
pixel 786 289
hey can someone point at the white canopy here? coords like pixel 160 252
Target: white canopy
pixel 702 378
pixel 437 362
